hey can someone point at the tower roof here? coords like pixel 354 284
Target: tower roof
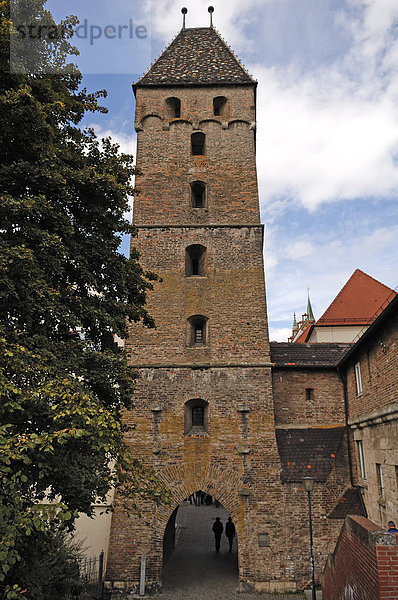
pixel 196 56
pixel 358 302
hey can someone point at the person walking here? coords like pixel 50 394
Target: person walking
pixel 230 532
pixel 218 528
pixel 391 527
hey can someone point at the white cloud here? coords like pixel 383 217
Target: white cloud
pixel 127 143
pixel 279 334
pixel 230 18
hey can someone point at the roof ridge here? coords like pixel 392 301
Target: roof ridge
pixel 234 55
pixel 335 301
pixel 157 59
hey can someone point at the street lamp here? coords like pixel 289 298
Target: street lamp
pixel 309 486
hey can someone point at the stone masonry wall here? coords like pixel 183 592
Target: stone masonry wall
pixel 236 460
pixel 228 166
pixel 373 418
pixel 293 409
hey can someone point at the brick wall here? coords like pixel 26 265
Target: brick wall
pixel 364 565
pixel 228 166
pixel 373 418
pixel 292 408
pixel 378 359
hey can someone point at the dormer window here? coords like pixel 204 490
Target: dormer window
pixel 195 259
pixel 198 194
pixel 198 143
pixel 219 106
pixel 173 108
pixel 197 331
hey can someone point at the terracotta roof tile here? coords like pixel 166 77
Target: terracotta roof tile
pixel 350 503
pixel 326 355
pixel 308 452
pixel 358 302
pixel 196 56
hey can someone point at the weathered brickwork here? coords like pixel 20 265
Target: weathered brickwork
pixel 295 407
pixel 164 153
pixel 227 374
pixel 364 565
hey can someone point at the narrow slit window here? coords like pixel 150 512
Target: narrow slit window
pixel 198 144
pixel 198 194
pixel 198 416
pixel 219 106
pixel 173 108
pixel 361 458
pixel 309 394
pixel 358 378
pixel 197 331
pixel 195 261
pixel 380 481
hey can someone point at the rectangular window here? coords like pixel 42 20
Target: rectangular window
pixel 358 379
pixel 380 482
pixel 309 394
pixel 198 335
pixel 361 459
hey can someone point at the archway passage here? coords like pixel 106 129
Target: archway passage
pixel 194 566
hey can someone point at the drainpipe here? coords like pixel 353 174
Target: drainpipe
pixel 343 377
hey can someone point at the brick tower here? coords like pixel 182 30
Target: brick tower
pixel 203 416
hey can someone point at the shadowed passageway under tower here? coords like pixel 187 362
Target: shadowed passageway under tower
pixel 194 566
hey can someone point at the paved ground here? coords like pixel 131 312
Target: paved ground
pixel 195 571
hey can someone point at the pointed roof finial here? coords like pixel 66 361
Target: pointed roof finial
pixel 184 12
pixel 211 11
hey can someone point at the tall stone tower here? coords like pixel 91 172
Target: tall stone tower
pixel 203 416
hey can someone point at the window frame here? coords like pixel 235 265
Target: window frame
pixel 196 322
pixel 380 480
pixel 189 407
pixel 194 144
pixel 358 378
pixel 361 459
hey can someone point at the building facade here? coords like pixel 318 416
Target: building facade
pixel 217 408
pixel 370 373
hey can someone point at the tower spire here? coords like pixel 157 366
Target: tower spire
pixel 211 11
pixel 310 314
pixel 184 12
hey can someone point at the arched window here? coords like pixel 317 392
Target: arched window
pixel 195 260
pixel 198 194
pixel 198 143
pixel 196 418
pixel 197 331
pixel 173 108
pixel 219 106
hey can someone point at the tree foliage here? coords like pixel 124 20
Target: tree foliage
pixel 65 292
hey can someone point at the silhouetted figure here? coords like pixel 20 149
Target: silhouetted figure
pixel 216 502
pixel 230 532
pixel 218 528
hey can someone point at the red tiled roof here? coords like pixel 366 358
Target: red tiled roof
pixel 303 335
pixel 359 302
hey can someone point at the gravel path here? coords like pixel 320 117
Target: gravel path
pixel 195 571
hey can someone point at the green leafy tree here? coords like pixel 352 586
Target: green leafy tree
pixel 65 292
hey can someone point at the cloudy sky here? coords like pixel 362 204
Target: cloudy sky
pixel 327 134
